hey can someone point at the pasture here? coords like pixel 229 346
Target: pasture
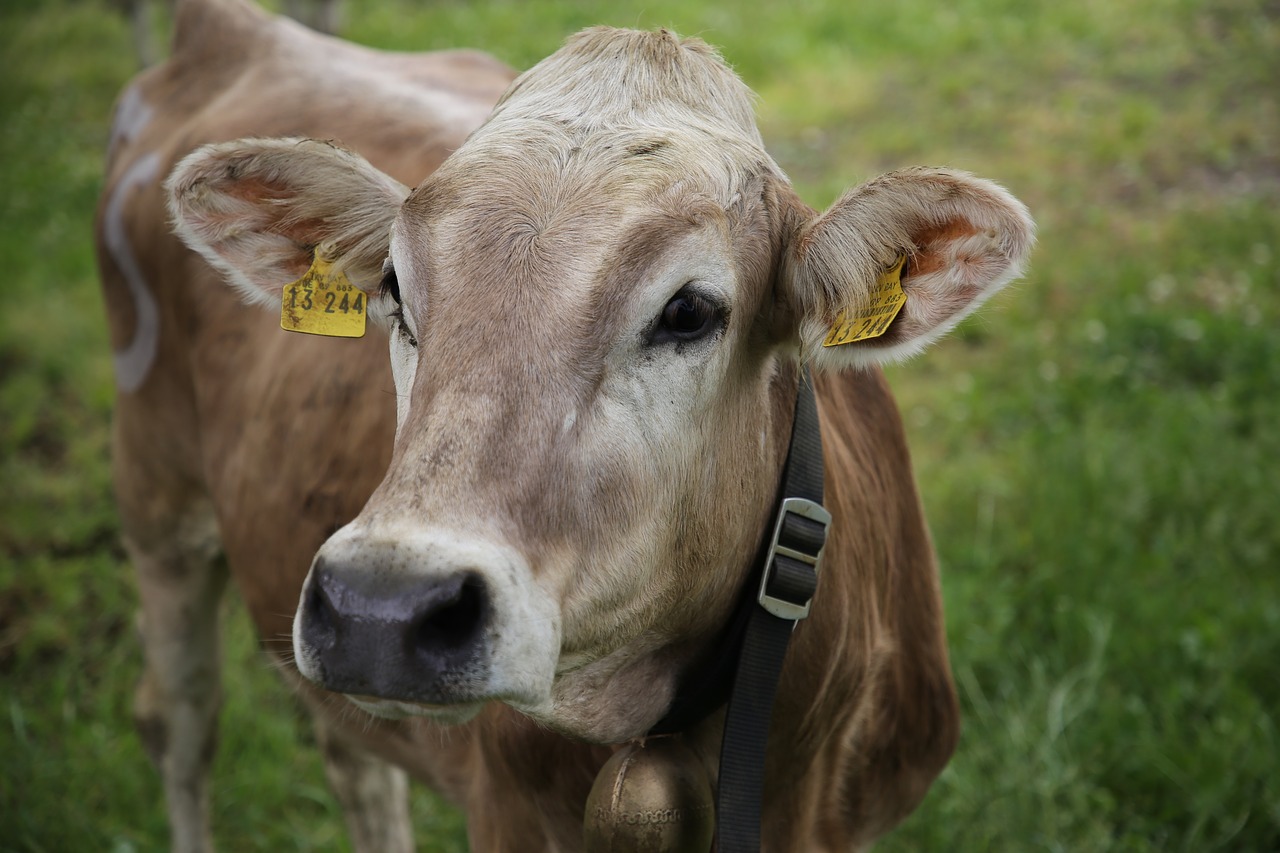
pixel 1097 451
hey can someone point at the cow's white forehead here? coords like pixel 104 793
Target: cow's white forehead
pixel 606 78
pixel 614 127
pixel 635 111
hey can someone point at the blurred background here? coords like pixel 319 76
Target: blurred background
pixel 1097 451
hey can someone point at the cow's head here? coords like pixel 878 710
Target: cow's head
pixel 596 309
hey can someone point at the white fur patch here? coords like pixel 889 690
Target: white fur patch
pixel 404 356
pixel 134 362
pixel 133 114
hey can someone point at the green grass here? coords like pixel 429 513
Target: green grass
pixel 1097 451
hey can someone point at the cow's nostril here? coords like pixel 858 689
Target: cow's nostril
pixel 455 620
pixel 320 627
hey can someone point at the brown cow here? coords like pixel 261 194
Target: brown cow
pixel 597 307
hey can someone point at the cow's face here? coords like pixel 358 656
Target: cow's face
pixel 584 354
pixel 596 326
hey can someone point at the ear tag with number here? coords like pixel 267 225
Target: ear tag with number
pixel 873 319
pixel 324 302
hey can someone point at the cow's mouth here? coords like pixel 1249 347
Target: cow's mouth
pixel 395 709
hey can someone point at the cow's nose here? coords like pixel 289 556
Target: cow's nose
pixel 395 636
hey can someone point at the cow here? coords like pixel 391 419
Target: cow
pixel 492 541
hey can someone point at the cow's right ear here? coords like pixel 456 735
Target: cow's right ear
pixel 930 244
pixel 258 209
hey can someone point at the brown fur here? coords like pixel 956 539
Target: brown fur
pixel 518 303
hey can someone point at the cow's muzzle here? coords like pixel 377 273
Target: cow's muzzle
pixel 393 635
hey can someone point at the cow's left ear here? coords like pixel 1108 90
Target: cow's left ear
pixel 962 238
pixel 259 210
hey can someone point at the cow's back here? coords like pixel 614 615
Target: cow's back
pixel 285 434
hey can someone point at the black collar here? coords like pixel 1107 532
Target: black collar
pixel 746 662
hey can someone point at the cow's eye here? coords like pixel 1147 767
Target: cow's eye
pixel 687 317
pixel 390 284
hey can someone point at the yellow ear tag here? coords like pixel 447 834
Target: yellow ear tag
pixel 873 320
pixel 324 302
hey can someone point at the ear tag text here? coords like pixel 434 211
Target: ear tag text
pixel 324 302
pixel 873 319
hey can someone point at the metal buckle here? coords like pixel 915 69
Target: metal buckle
pixel 781 607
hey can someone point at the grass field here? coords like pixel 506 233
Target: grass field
pixel 1098 451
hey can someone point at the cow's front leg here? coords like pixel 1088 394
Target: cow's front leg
pixel 373 794
pixel 180 582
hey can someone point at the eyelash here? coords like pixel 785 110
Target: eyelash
pixel 397 317
pixel 390 282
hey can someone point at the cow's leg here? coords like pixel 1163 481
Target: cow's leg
pixel 180 583
pixel 374 795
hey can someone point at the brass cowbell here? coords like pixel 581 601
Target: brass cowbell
pixel 651 796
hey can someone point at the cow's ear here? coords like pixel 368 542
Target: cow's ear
pixel 962 239
pixel 259 209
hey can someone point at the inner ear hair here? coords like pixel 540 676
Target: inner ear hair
pixel 965 238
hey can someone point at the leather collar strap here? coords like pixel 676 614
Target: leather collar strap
pixel 787 585
pixel 747 661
